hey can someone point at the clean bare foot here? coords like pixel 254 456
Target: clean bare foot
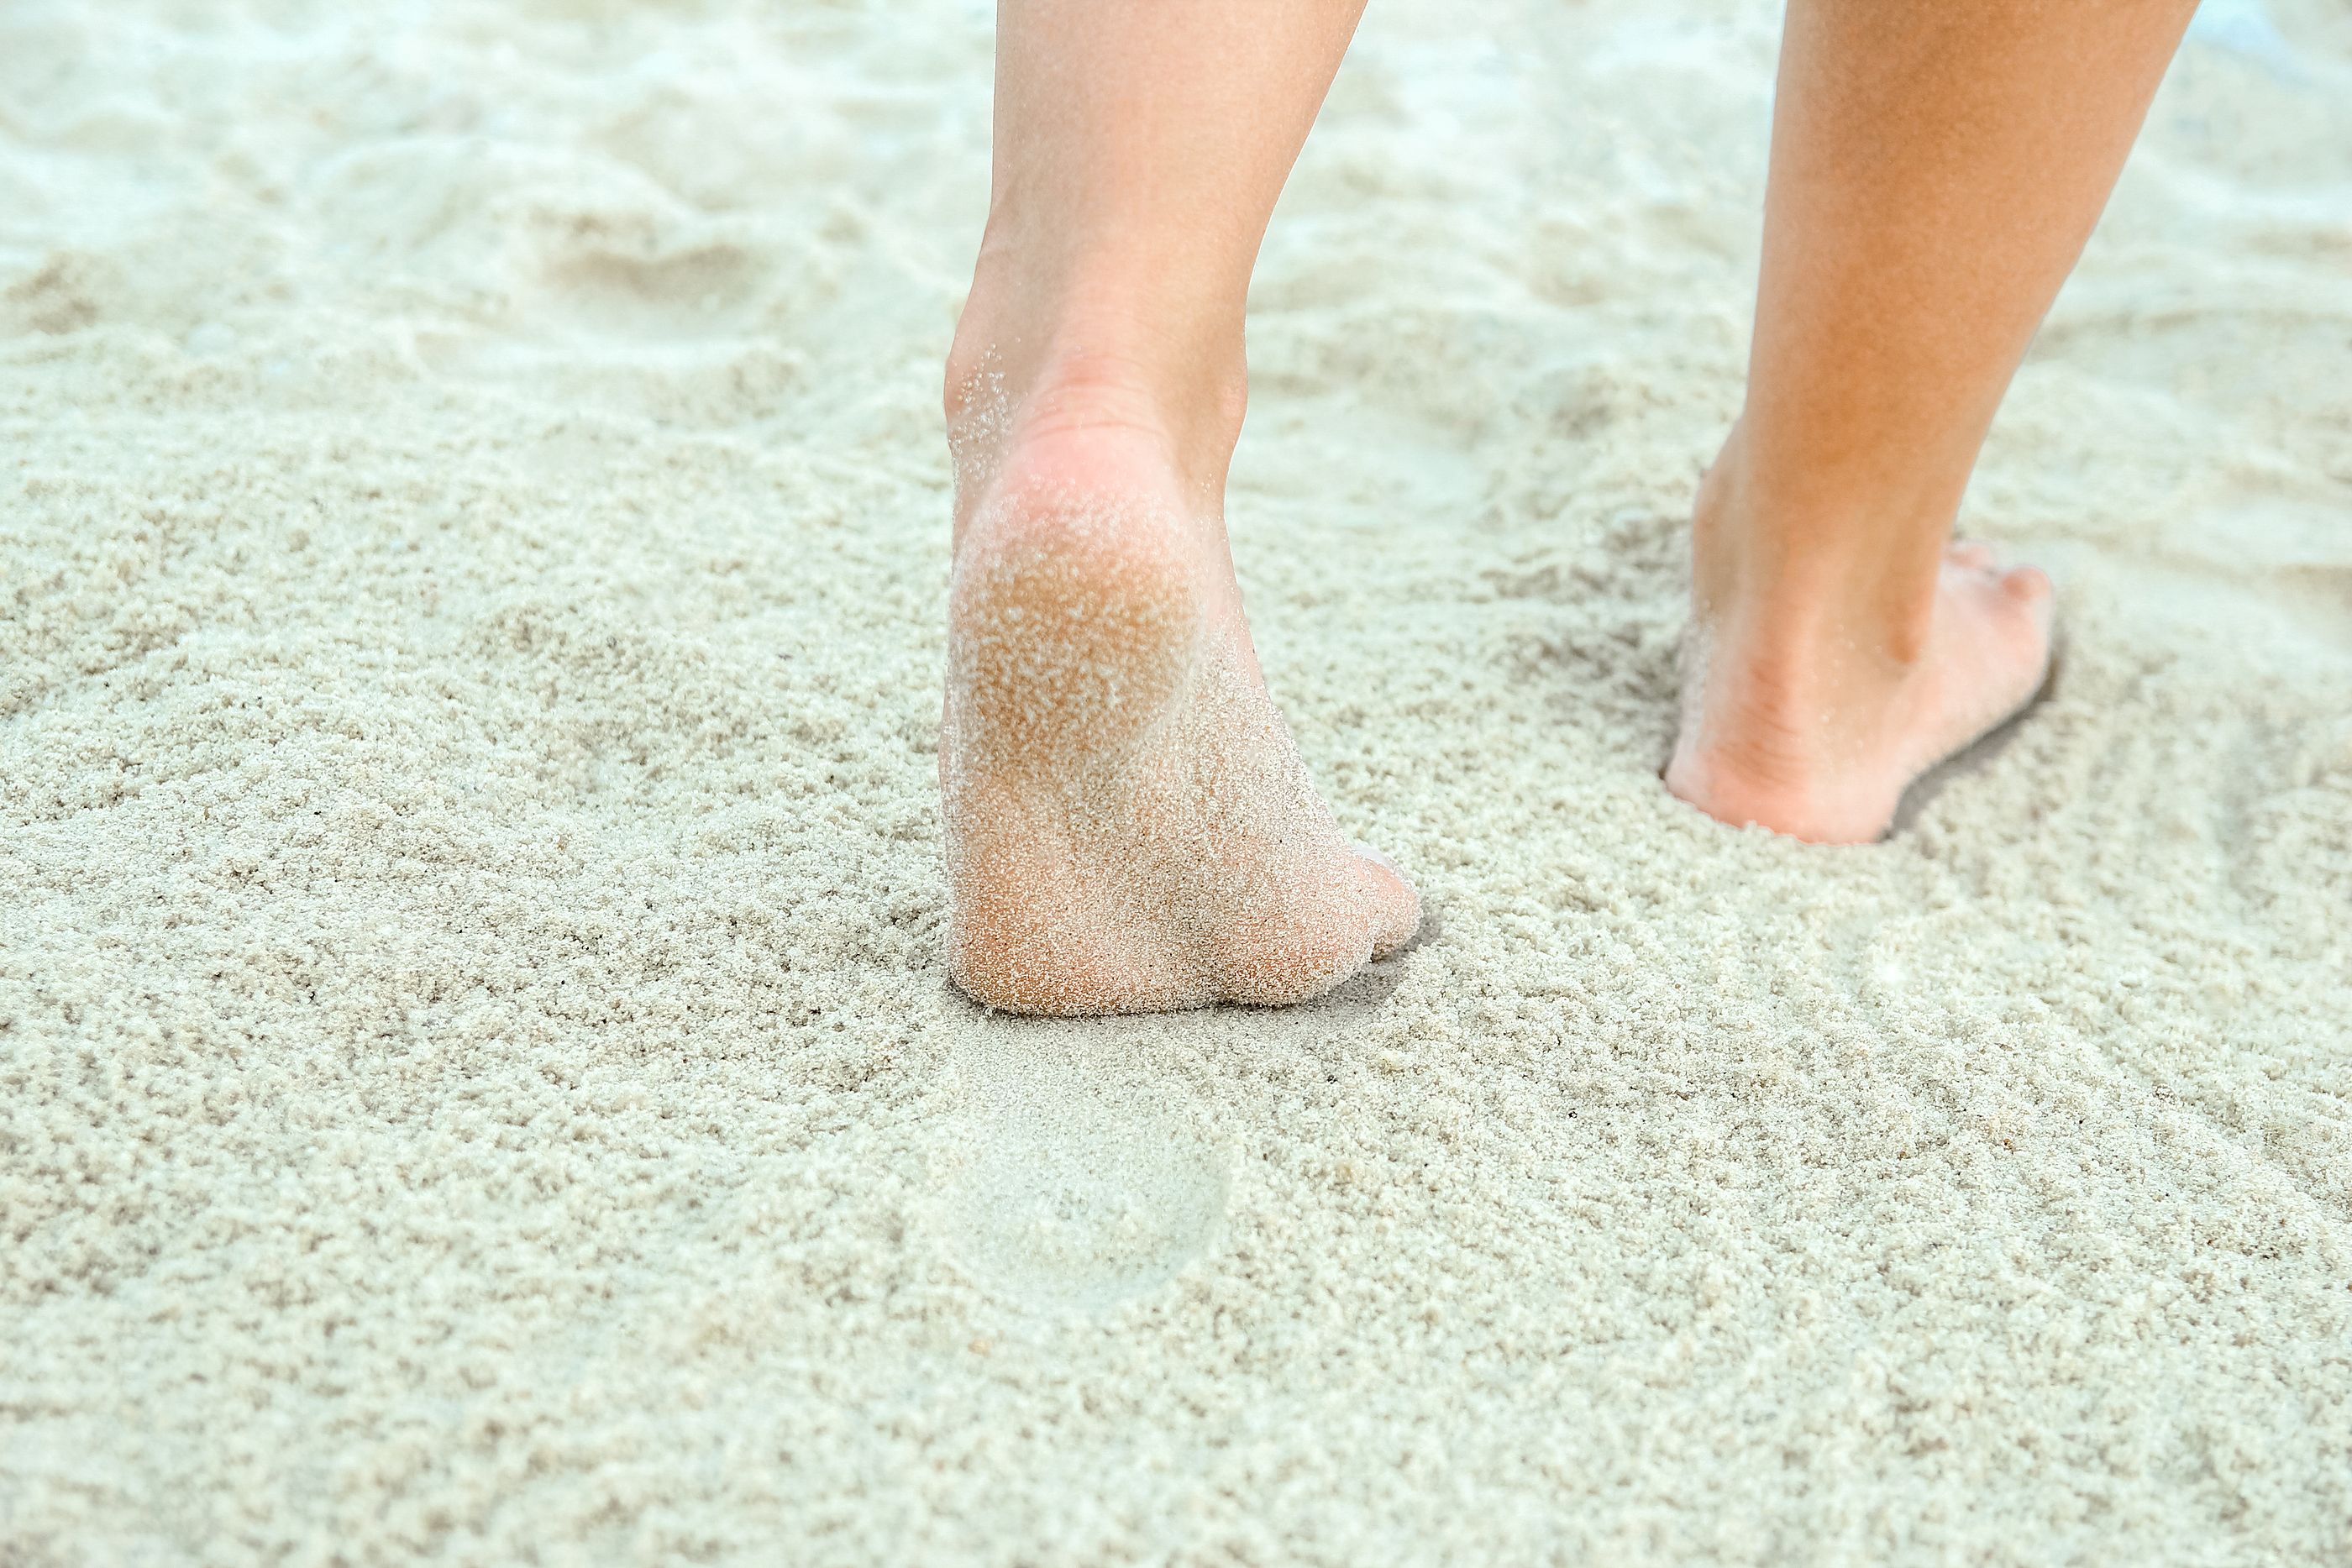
pixel 1811 717
pixel 1129 827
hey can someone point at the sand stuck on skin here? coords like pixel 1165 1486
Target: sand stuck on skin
pixel 476 1078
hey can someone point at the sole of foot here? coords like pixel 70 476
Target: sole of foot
pixel 1829 763
pixel 1129 826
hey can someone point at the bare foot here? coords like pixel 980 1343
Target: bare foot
pixel 1811 717
pixel 1129 828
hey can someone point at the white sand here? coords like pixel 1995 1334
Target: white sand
pixel 476 1075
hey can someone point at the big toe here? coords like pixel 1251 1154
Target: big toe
pixel 1289 959
pixel 1330 918
pixel 2029 586
pixel 2026 594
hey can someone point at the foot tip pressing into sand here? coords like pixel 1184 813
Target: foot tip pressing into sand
pixel 1823 749
pixel 1129 826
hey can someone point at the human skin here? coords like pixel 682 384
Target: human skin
pixel 1937 168
pixel 1129 825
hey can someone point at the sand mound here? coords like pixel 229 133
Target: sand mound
pixel 476 1077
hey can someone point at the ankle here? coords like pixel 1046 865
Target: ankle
pixel 1809 591
pixel 1023 369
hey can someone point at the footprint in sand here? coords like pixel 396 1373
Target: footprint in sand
pixel 1073 1176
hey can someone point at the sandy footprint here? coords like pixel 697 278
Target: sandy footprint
pixel 1074 1175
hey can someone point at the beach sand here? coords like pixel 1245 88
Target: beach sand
pixel 477 1082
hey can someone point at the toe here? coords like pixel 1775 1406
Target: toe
pixel 1069 970
pixel 1290 956
pixel 1326 921
pixel 1395 906
pixel 2027 587
pixel 1973 554
pixel 2026 584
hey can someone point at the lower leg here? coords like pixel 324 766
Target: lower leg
pixel 1128 824
pixel 1937 168
pixel 1138 152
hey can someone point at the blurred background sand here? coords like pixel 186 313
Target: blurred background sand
pixel 477 1081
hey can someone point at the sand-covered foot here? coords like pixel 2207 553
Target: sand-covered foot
pixel 1807 726
pixel 1129 827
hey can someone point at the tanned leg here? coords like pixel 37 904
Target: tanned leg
pixel 1129 825
pixel 1936 168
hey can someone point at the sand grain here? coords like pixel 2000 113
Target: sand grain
pixel 476 1079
